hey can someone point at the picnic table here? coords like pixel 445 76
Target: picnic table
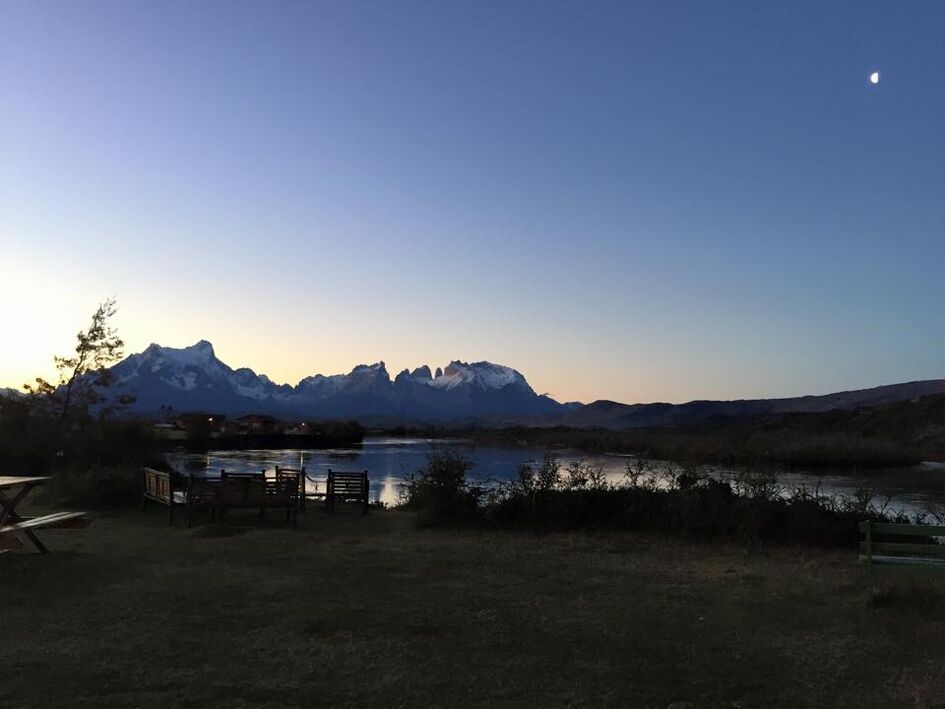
pixel 11 522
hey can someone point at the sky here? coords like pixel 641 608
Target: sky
pixel 638 201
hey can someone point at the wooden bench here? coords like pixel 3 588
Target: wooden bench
pixel 886 544
pixel 347 487
pixel 301 475
pixel 202 495
pixel 198 493
pixel 242 490
pixel 285 491
pixel 158 486
pixel 217 495
pixel 256 491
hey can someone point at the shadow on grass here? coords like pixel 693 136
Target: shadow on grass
pixel 218 529
pixel 45 575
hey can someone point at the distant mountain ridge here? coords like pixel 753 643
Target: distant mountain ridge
pixel 193 379
pixel 616 416
pixel 461 394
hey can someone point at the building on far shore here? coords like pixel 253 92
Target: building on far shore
pixel 211 425
pixel 258 424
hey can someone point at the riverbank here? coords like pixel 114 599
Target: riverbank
pixel 729 443
pixel 897 435
pixel 352 611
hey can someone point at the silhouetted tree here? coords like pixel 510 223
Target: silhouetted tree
pixel 83 376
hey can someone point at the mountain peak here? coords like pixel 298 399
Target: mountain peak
pixel 377 368
pixel 420 375
pixel 202 346
pixel 484 375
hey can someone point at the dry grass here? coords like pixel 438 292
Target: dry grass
pixel 351 611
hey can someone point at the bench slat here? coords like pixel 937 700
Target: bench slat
pixel 911 530
pixel 881 561
pixel 51 520
pixel 347 487
pixel 936 551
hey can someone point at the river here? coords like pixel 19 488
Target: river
pixel 390 460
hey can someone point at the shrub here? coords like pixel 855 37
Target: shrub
pixel 439 493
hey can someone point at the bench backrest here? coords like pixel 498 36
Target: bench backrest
pixel 243 489
pixel 157 485
pixel 299 472
pixel 284 488
pixel 347 484
pixel 901 541
pixel 203 491
pixel 280 470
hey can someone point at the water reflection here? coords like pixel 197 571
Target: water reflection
pixel 390 460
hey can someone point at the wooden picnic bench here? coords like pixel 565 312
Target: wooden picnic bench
pixel 12 523
pixel 885 544
pixel 347 487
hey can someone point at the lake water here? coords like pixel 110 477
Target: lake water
pixel 389 460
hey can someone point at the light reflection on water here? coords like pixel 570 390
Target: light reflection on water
pixel 389 461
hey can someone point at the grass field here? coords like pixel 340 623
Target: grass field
pixel 352 611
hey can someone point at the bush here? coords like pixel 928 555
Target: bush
pixel 439 493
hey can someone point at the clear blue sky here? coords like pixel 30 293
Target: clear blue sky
pixel 628 200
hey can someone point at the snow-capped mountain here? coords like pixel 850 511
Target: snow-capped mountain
pixel 482 375
pixel 193 379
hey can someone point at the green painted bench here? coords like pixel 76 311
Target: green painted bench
pixel 885 544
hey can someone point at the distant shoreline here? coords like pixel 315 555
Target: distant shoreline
pixel 274 441
pixel 774 446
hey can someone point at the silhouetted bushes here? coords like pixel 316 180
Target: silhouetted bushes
pixel 94 488
pixel 687 501
pixel 93 461
pixel 338 432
